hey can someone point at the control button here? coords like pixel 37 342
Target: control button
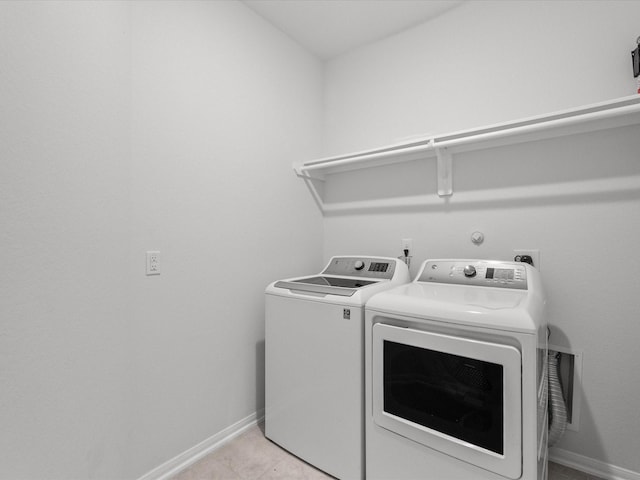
pixel 469 271
pixel 359 265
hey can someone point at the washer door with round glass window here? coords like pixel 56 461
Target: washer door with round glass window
pixel 457 395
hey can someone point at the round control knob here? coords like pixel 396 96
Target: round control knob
pixel 469 271
pixel 359 265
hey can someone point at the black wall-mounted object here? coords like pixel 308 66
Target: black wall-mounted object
pixel 635 59
pixel 524 258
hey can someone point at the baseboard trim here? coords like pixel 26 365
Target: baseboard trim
pixel 202 449
pixel 591 466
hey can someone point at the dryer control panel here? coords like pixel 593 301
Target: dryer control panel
pixel 484 273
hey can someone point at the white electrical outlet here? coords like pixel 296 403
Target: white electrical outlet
pixel 407 244
pixel 533 253
pixel 153 262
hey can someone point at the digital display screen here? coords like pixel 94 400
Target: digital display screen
pixel 378 267
pixel 500 273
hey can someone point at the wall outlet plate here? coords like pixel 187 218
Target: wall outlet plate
pixel 153 263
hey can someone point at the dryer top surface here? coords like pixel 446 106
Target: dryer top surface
pixel 472 303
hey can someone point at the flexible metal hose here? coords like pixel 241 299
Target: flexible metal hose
pixel 557 407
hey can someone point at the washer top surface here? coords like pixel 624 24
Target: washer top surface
pixel 345 279
pixel 449 291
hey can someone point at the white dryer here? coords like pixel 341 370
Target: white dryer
pixel 456 374
pixel 314 360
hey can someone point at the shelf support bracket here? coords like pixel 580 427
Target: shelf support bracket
pixel 308 180
pixel 444 172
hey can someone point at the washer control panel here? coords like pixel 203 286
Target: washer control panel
pixel 370 267
pixel 485 273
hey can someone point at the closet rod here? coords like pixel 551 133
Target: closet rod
pixel 362 157
pixel 538 126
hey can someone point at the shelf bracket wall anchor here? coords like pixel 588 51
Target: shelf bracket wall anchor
pixel 301 172
pixel 444 171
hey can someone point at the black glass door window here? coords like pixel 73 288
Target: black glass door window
pixel 458 396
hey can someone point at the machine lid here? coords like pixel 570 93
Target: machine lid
pixel 336 281
pixel 344 287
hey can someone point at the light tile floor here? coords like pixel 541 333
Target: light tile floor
pixel 251 456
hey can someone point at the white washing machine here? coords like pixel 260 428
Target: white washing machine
pixel 456 374
pixel 314 360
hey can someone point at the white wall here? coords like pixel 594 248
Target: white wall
pixel 64 240
pixel 488 62
pixel 222 105
pixel 481 63
pixel 172 126
pixel 134 126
